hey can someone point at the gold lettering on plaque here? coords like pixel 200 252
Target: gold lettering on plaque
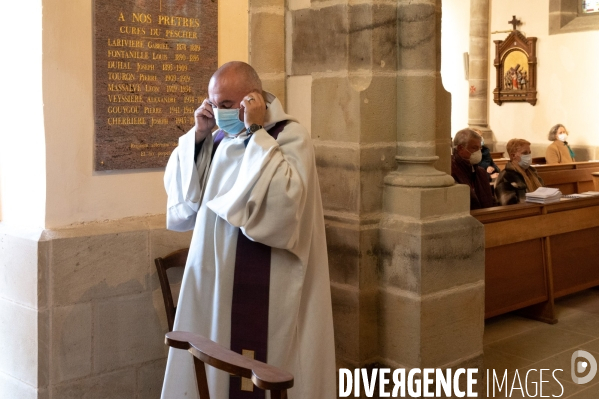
pixel 124 87
pixel 159 46
pixel 154 89
pixel 158 121
pixel 180 34
pixel 122 110
pixel 152 110
pixel 142 18
pixel 145 77
pixel 128 54
pixel 120 76
pixel 119 65
pixel 126 121
pixel 144 67
pixel 131 30
pixel 118 98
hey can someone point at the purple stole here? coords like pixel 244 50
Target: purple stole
pixel 249 310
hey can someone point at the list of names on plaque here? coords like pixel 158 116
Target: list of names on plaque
pixel 153 60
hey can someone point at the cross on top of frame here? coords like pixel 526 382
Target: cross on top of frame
pixel 515 22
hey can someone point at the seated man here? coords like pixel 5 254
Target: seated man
pixel 257 277
pixel 518 177
pixel 465 170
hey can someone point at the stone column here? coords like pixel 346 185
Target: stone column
pixel 431 266
pixel 406 258
pixel 431 276
pixel 349 51
pixel 267 44
pixel 478 70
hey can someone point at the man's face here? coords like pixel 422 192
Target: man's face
pixel 473 145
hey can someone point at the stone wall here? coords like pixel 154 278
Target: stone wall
pixel 350 53
pixel 95 325
pixel 406 259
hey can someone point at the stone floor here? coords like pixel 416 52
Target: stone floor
pixel 515 343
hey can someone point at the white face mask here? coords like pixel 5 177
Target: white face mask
pixel 525 161
pixel 476 157
pixel 562 136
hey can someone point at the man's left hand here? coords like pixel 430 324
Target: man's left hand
pixel 254 109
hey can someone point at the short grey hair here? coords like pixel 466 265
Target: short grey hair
pixel 553 132
pixel 464 136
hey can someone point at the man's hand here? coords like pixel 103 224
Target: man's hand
pixel 254 109
pixel 205 122
pixel 490 169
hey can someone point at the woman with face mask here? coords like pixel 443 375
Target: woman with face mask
pixel 518 177
pixel 559 151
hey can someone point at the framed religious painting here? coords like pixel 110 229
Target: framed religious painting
pixel 516 66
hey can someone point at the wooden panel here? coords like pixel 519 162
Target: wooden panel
pixel 529 228
pixel 514 277
pixel 565 176
pixel 500 213
pixel 575 258
pixel 570 178
pixel 501 163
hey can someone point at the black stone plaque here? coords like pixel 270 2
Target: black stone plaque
pixel 153 60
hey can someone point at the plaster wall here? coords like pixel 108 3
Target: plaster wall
pixel 22 146
pixel 567 81
pixel 75 193
pixel 455 31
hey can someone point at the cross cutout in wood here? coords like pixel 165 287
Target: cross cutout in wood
pixel 515 22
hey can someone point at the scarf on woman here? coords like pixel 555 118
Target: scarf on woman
pixel 572 154
pixel 531 178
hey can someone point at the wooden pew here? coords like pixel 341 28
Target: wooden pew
pixel 570 178
pixel 536 253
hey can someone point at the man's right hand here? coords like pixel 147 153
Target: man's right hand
pixel 205 122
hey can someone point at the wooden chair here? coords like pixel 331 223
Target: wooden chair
pixel 174 259
pixel 205 351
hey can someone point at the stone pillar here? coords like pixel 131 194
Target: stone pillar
pixel 478 70
pixel 349 51
pixel 431 266
pixel 267 44
pixel 406 258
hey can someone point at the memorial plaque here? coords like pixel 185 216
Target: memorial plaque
pixel 153 60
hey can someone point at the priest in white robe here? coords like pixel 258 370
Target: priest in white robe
pixel 257 272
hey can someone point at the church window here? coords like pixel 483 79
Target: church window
pixel 589 6
pixel 566 16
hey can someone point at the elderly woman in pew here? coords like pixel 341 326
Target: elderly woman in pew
pixel 518 177
pixel 559 151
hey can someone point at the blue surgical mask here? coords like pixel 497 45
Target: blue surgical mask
pixel 525 161
pixel 228 120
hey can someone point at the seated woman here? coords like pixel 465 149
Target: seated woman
pixel 518 177
pixel 559 151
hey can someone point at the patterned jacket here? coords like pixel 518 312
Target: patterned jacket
pixel 510 186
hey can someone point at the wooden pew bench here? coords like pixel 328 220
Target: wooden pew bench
pixel 535 253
